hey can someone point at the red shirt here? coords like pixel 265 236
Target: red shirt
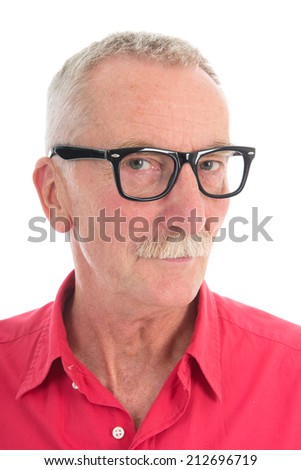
pixel 238 386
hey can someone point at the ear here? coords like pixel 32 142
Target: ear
pixel 49 186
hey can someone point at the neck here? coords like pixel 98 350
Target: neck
pixel 118 334
pixel 120 344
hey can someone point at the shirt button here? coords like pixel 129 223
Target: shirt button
pixel 118 432
pixel 74 386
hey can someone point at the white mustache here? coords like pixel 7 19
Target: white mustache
pixel 173 246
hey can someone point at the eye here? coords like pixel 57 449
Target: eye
pixel 138 164
pixel 210 165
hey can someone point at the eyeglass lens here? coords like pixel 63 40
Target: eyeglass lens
pixel 148 174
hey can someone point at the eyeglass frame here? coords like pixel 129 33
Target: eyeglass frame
pixel 115 156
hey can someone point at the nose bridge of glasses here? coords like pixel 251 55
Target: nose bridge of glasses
pixel 187 157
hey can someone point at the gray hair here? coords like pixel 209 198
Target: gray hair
pixel 68 112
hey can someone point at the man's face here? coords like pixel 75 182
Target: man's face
pixel 138 103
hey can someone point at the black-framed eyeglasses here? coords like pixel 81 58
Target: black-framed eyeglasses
pixel 147 174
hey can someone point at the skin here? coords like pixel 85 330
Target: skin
pixel 131 319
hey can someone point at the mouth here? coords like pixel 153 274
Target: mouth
pixel 180 259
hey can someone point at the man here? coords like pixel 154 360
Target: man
pixel 136 352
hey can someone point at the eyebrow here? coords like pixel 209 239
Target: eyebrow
pixel 134 143
pixel 144 144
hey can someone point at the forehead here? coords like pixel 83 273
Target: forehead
pixel 154 102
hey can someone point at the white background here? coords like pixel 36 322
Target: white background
pixel 254 47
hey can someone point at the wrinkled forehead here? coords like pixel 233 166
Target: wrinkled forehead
pixel 130 95
pixel 130 75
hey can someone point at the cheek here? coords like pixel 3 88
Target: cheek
pixel 215 213
pixel 92 188
pixel 117 221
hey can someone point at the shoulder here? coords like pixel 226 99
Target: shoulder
pixel 256 322
pixel 25 324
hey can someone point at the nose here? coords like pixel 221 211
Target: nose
pixel 185 204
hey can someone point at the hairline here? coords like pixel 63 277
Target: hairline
pixel 69 105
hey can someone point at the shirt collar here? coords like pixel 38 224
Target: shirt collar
pixel 52 341
pixel 205 345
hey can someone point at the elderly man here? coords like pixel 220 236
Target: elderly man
pixel 136 352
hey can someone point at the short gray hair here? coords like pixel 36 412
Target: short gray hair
pixel 68 112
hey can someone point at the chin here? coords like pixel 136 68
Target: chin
pixel 175 294
pixel 172 283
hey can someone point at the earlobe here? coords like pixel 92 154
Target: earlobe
pixel 46 180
